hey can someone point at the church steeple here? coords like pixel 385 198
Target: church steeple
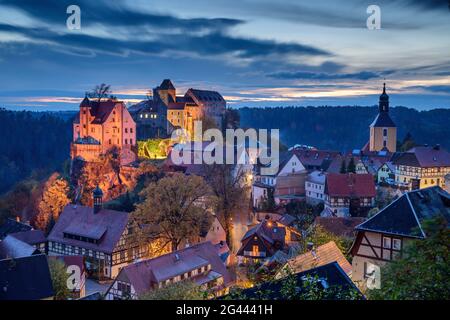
pixel 384 101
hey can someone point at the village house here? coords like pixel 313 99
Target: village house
pixel 267 237
pixel 100 126
pixel 104 237
pixel 383 237
pixel 422 167
pixel 313 159
pixel 315 187
pixel 35 238
pixel 348 194
pixel 26 278
pixel 315 257
pixel 290 188
pixel 9 226
pixel 199 263
pixel 265 185
pixel 386 173
pixel 329 277
pixel 12 248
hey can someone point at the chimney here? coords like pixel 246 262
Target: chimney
pixel 17 218
pixel 309 246
pixel 98 199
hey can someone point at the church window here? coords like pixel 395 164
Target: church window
pixel 384 143
pixel 126 141
pixel 385 132
pixel 126 130
pixel 131 141
pixel 131 130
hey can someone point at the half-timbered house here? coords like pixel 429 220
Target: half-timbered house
pixel 200 263
pixel 383 237
pixel 104 237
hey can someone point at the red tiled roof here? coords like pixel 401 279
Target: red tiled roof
pixel 320 256
pixel 350 185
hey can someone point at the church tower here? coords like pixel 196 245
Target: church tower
pixel 383 131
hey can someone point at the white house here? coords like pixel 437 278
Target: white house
pixel 314 187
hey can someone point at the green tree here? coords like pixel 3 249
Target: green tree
pixel 423 271
pixel 182 290
pixel 174 209
pixel 59 275
pixel 351 168
pixel 343 168
pixel 319 236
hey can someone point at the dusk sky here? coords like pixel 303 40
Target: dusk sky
pixel 254 52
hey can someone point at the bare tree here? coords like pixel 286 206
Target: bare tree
pixel 100 92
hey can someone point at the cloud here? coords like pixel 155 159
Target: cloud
pixel 364 75
pixel 433 88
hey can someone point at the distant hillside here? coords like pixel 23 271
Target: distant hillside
pixel 31 142
pixel 346 128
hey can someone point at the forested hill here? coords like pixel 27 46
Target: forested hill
pixel 31 143
pixel 37 143
pixel 346 128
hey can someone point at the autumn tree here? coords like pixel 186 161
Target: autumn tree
pixel 174 209
pixel 100 92
pixel 54 199
pixel 227 184
pixel 59 276
pixel 423 271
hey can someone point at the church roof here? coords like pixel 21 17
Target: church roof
pixel 383 120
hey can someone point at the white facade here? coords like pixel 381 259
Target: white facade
pixel 314 187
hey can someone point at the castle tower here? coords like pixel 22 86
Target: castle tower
pixel 166 92
pixel 98 199
pixel 383 131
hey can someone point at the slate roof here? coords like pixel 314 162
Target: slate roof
pixel 383 120
pixel 267 230
pixel 12 226
pixel 145 273
pixel 425 157
pixel 31 237
pixel 350 185
pixel 331 274
pixel 340 226
pixel 11 247
pixel 26 278
pixel 166 85
pixel 320 256
pixel 312 158
pixel 205 95
pixel 81 220
pixel 404 216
